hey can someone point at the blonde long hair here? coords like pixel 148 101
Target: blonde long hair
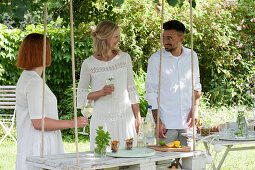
pixel 103 31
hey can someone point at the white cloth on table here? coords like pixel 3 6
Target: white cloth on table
pixel 113 112
pixel 28 107
pixel 176 86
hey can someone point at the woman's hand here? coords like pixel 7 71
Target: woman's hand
pixel 138 120
pixel 81 122
pixel 107 90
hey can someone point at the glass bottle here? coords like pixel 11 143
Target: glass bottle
pixel 149 127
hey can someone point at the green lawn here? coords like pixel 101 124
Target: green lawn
pixel 8 152
pixel 235 160
pixel 242 160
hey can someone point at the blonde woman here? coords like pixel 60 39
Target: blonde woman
pixel 109 73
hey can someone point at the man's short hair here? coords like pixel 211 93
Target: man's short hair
pixel 174 25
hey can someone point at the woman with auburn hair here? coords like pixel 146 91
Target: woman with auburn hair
pixel 109 74
pixel 29 105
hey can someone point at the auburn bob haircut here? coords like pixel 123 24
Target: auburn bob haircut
pixel 31 52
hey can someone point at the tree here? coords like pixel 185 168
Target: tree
pixel 19 13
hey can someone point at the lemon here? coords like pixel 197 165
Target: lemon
pixel 162 143
pixel 176 143
pixel 170 145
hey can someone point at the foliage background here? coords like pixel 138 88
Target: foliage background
pixel 223 39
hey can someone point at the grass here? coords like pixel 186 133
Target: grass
pixel 8 150
pixel 243 160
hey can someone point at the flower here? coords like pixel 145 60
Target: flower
pixel 238 44
pixel 233 94
pixel 226 42
pixel 239 28
pixel 92 28
pixel 151 36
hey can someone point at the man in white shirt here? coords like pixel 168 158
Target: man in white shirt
pixel 176 86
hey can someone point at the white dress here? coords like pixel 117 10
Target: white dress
pixel 113 112
pixel 29 106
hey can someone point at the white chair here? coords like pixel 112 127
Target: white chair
pixel 7 101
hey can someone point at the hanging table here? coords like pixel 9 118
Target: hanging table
pixel 88 161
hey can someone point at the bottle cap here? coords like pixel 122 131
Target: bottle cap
pixel 149 107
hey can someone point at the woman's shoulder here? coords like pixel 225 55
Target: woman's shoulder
pixel 121 53
pixel 29 79
pixel 124 56
pixel 89 59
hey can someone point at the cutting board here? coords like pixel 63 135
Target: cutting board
pixel 165 148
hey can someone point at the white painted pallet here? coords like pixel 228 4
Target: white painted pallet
pixel 88 161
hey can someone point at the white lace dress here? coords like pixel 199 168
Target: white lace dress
pixel 113 112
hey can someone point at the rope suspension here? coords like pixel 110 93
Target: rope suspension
pixel 44 63
pixel 159 84
pixel 192 69
pixel 74 85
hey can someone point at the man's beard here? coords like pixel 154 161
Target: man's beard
pixel 170 49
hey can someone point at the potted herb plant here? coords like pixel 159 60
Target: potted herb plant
pixel 102 141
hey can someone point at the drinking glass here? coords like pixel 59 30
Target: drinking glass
pixel 86 112
pixel 111 82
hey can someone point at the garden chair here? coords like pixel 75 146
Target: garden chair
pixel 7 101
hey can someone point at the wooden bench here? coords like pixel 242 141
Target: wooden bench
pixel 7 101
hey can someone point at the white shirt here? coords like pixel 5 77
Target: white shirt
pixel 176 86
pixel 28 107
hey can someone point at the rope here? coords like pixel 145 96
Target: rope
pixel 159 84
pixel 192 66
pixel 44 63
pixel 74 85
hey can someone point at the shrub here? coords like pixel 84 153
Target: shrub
pixel 223 39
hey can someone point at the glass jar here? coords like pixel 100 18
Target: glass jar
pixel 100 151
pixel 241 131
pixel 204 131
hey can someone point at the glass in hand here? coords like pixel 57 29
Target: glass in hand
pixel 86 112
pixel 110 82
